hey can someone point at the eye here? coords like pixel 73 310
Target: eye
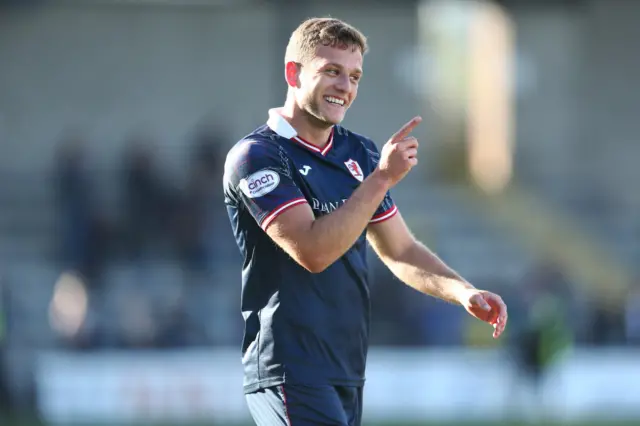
pixel 332 72
pixel 356 78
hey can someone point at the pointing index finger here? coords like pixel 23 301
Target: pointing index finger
pixel 406 129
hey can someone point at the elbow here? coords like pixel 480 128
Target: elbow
pixel 313 269
pixel 314 263
pixel 310 253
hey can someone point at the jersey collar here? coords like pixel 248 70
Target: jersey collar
pixel 283 128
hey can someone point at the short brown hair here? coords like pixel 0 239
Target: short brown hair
pixel 315 32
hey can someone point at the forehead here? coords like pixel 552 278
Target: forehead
pixel 348 58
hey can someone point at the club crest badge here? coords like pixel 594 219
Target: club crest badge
pixel 354 169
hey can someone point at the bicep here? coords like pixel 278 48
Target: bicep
pixel 261 179
pixel 290 228
pixel 391 238
pixel 287 221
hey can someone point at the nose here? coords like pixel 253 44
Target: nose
pixel 343 83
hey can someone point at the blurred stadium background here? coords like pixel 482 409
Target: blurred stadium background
pixel 119 276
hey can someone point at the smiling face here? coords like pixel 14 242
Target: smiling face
pixel 323 68
pixel 327 84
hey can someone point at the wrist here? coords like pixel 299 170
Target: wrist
pixel 380 180
pixel 461 292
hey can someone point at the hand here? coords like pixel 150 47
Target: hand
pixel 487 307
pixel 399 154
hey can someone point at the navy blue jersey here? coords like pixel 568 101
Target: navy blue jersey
pixel 300 327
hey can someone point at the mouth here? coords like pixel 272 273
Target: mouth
pixel 335 101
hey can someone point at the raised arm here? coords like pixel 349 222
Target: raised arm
pixel 317 243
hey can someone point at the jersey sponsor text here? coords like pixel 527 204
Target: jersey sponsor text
pixel 260 183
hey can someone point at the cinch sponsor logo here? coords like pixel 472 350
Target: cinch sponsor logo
pixel 264 180
pixel 325 207
pixel 260 183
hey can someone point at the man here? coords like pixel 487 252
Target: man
pixel 304 195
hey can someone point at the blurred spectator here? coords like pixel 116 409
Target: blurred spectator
pixel 632 314
pixel 607 326
pixel 147 199
pixel 73 189
pixel 176 329
pixel 82 230
pixel 5 393
pixel 398 311
pixel 540 330
pixel 135 325
pixel 201 207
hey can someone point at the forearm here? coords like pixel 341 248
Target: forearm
pixel 332 235
pixel 421 269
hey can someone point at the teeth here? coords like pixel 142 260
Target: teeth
pixel 334 100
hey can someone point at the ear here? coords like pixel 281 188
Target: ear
pixel 292 73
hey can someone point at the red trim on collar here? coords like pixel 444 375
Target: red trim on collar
pixel 315 148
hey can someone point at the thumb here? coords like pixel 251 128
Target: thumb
pixel 479 301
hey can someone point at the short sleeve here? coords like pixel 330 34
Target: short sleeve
pixel 258 175
pixel 387 208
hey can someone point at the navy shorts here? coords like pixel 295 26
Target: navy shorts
pixel 297 405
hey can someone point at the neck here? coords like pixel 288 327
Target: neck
pixel 308 127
